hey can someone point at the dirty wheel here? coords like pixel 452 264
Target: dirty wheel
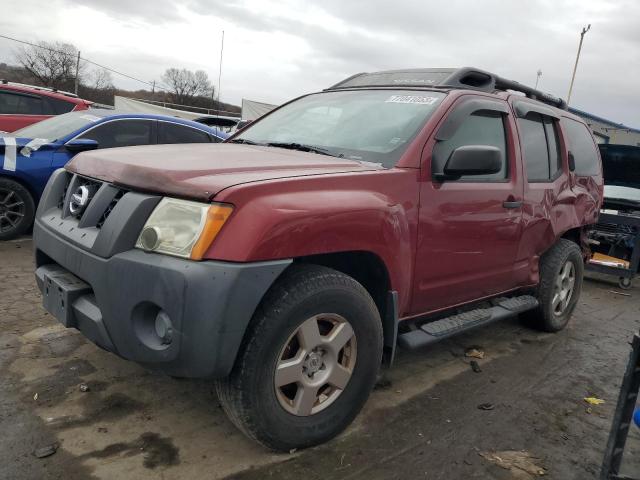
pixel 309 360
pixel 561 270
pixel 17 209
pixel 625 283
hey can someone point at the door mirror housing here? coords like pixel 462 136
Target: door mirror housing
pixel 81 145
pixel 473 160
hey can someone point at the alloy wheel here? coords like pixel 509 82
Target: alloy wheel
pixel 563 289
pixel 12 210
pixel 315 364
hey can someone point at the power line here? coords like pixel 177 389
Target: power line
pixel 164 87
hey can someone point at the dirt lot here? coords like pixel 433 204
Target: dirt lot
pixel 422 422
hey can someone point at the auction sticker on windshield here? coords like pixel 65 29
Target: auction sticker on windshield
pixel 417 99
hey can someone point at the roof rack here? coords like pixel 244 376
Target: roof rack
pixel 37 87
pixel 464 78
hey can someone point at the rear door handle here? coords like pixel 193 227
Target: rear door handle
pixel 512 204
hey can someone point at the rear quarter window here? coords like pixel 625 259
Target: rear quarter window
pixel 581 145
pixel 60 106
pixel 175 133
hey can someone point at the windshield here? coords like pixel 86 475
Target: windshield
pixel 366 125
pixel 57 127
pixel 623 193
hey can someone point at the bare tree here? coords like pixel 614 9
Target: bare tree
pixel 185 84
pixel 101 79
pixel 51 64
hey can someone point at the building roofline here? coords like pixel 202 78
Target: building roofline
pixel 619 126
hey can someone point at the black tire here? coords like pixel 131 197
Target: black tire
pixel 17 209
pixel 625 283
pixel 546 317
pixel 248 395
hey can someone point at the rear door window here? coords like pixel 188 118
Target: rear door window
pixel 174 133
pixel 480 128
pixel 122 133
pixel 582 147
pixel 19 104
pixel 539 142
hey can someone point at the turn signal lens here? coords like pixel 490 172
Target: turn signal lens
pixel 216 218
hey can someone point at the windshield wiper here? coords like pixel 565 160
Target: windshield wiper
pixel 302 148
pixel 244 140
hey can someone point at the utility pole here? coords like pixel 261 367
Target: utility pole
pixel 77 73
pixel 220 70
pixel 575 67
pixel 153 87
pixel 538 75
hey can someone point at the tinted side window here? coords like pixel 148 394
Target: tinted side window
pixel 582 147
pixel 121 133
pixel 486 128
pixel 17 104
pixel 60 106
pixel 539 141
pixel 534 147
pixel 174 133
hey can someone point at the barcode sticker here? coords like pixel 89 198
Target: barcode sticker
pixel 416 99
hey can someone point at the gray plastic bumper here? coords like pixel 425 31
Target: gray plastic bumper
pixel 115 301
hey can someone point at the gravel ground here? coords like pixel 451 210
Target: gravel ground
pixel 422 421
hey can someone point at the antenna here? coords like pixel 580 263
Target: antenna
pixel 220 71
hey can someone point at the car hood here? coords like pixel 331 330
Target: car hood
pixel 200 171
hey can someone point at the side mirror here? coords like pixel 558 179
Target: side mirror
pixel 81 145
pixel 473 160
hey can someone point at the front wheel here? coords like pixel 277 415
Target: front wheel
pixel 17 209
pixel 309 360
pixel 561 271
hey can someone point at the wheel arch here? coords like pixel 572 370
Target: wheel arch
pixel 370 271
pixel 29 188
pixel 578 236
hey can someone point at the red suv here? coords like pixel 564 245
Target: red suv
pixel 394 208
pixel 22 105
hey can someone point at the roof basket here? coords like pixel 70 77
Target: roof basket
pixel 463 78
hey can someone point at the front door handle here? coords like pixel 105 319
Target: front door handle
pixel 512 204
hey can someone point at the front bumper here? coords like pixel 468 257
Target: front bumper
pixel 114 304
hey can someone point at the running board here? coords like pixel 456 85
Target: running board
pixel 432 332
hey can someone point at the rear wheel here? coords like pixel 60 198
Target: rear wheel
pixel 17 209
pixel 309 361
pixel 561 271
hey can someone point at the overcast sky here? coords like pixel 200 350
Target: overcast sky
pixel 276 50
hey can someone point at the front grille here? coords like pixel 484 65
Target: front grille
pixel 89 201
pixel 109 208
pixel 105 225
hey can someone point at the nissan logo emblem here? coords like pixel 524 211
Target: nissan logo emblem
pixel 79 200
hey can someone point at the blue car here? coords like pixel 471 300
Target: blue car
pixel 29 156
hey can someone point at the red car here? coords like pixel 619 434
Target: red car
pixel 22 105
pixel 394 208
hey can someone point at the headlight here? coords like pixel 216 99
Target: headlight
pixel 183 228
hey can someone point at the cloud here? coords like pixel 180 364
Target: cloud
pixel 278 49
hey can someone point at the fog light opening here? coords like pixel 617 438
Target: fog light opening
pixel 153 326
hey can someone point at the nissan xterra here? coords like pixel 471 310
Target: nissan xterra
pixel 394 208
